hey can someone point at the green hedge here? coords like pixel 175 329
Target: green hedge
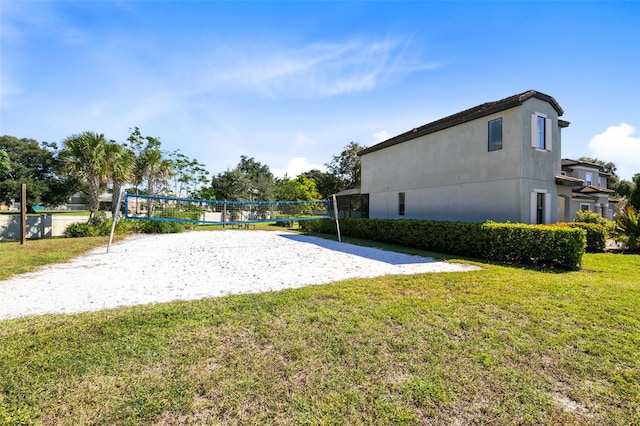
pixel 596 235
pixel 173 213
pixel 527 244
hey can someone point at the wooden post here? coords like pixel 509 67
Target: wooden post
pixel 23 213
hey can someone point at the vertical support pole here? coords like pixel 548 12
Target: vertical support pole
pixel 224 214
pixel 114 218
pixel 335 213
pixel 23 213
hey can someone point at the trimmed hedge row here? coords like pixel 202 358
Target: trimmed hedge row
pixel 596 235
pixel 518 243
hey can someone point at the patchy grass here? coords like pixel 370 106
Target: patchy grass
pixel 17 259
pixel 505 345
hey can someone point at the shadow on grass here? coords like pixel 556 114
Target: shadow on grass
pixel 437 256
pixel 373 253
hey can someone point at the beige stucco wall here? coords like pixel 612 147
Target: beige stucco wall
pixel 451 175
pixel 42 226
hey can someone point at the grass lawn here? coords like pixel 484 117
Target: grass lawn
pixel 505 345
pixel 17 259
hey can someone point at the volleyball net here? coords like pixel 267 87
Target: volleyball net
pixel 173 209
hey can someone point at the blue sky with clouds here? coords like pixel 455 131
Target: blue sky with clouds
pixel 292 83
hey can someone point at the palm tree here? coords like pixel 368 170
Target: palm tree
pixel 85 156
pixel 120 163
pixel 154 169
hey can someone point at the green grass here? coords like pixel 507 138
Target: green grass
pixel 504 345
pixel 52 212
pixel 17 259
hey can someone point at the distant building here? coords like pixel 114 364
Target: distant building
pixel 589 188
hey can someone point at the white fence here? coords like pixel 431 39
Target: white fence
pixel 42 226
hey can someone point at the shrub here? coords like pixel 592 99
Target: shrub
pixel 596 235
pixel 76 230
pixel 160 227
pixel 529 244
pixel 587 216
pixel 96 226
pixel 173 213
pixel 535 244
pixel 629 222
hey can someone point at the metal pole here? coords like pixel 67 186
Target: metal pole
pixel 114 219
pixel 23 213
pixel 335 213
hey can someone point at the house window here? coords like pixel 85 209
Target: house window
pixel 585 207
pixel 495 134
pixel 401 203
pixel 540 207
pixel 540 136
pixel 589 179
pixel 541 132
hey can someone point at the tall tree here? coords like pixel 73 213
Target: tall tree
pixel 85 156
pixel 120 163
pixel 153 167
pixel 327 184
pixel 37 166
pixel 624 188
pixel 5 163
pixel 231 185
pixel 248 181
pixel 346 166
pixel 298 189
pixel 156 170
pixel 189 175
pixel 634 197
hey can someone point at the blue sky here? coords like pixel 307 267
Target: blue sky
pixel 292 83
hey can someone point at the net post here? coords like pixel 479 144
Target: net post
pixel 113 220
pixel 335 214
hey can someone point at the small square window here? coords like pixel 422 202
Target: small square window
pixel 401 203
pixel 495 134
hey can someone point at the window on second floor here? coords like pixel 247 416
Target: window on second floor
pixel 589 179
pixel 541 132
pixel 495 134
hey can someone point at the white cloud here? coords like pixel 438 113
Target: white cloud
pixel 296 167
pixel 319 69
pixel 382 135
pixel 619 145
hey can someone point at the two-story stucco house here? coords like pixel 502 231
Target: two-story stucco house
pixel 589 191
pixel 497 161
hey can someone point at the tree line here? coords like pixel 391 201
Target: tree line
pixel 92 164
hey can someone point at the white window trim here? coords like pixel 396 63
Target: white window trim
pixel 548 132
pixel 534 206
pixel 588 178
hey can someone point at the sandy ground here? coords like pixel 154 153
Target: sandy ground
pixel 194 265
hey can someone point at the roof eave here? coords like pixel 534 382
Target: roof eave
pixel 465 116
